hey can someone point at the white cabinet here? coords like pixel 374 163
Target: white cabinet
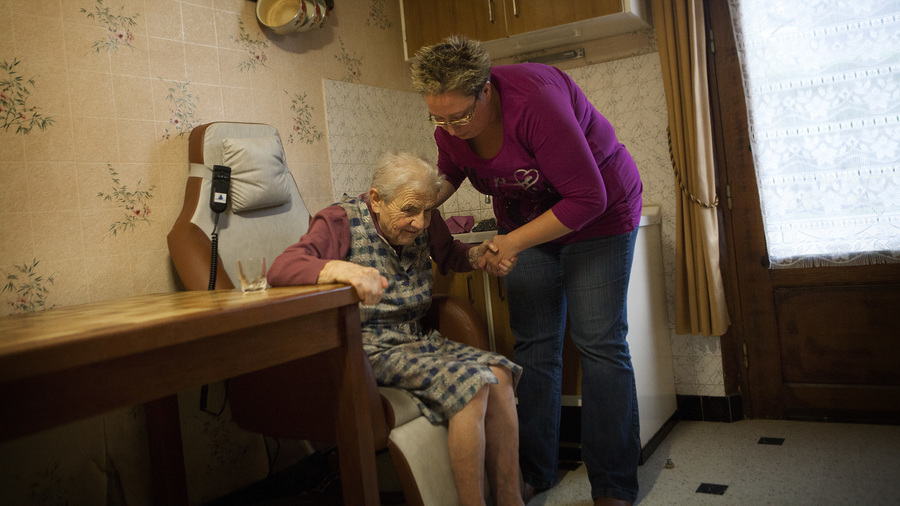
pixel 649 337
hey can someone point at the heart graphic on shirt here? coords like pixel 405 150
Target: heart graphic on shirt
pixel 526 178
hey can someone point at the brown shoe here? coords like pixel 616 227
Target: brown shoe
pixel 610 501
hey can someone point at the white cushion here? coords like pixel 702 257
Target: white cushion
pixel 258 172
pixel 401 404
pixel 423 446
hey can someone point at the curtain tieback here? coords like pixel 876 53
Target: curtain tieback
pixel 684 189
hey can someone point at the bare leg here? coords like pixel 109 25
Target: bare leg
pixel 465 438
pixel 502 441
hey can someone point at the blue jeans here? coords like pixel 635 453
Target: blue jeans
pixel 590 280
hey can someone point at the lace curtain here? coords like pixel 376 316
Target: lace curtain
pixel 822 81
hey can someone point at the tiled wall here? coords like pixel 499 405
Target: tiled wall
pixel 357 136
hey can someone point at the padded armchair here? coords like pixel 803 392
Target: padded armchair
pixel 266 214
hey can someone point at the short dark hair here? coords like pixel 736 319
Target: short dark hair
pixel 454 64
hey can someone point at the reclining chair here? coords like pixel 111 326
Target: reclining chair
pixel 266 214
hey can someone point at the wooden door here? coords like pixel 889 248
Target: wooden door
pixel 523 16
pixel 815 343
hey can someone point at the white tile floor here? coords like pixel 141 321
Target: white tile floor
pixel 818 464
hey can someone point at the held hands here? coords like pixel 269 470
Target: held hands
pixel 499 255
pixel 486 256
pixel 368 282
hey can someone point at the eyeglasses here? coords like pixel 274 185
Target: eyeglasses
pixel 465 120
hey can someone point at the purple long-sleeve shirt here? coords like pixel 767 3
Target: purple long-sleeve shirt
pixel 558 153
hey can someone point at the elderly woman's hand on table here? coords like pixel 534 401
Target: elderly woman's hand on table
pixel 368 282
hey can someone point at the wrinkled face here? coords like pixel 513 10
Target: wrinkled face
pixel 405 217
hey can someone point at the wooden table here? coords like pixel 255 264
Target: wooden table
pixel 65 364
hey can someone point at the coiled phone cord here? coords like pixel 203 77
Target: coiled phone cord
pixel 214 260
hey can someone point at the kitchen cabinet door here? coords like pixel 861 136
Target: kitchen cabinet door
pixel 467 285
pixel 523 16
pixel 428 22
pixel 479 19
pixel 503 336
pixel 511 27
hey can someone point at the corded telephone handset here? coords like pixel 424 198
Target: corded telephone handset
pixel 218 202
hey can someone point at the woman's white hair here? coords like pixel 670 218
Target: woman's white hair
pixel 402 170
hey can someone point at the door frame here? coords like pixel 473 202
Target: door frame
pixel 731 147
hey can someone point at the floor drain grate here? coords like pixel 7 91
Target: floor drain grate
pixel 777 441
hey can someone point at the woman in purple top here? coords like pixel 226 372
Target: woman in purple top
pixel 567 197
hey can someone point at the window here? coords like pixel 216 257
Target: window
pixel 822 80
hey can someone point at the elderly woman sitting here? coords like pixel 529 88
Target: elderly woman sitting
pixel 381 243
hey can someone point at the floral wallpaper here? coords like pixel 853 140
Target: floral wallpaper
pixel 118 26
pixel 27 288
pixel 14 94
pixel 256 49
pixel 377 15
pixel 182 109
pixel 302 127
pixel 97 101
pixel 350 62
pixel 134 203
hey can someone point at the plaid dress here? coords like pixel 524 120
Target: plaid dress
pixel 441 375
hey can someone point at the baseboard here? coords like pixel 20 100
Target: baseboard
pixel 705 408
pixel 658 438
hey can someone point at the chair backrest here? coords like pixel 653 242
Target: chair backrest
pixel 265 214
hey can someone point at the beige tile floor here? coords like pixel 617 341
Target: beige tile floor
pixel 817 464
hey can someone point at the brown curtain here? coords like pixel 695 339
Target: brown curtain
pixel 699 295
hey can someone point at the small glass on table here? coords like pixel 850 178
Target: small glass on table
pixel 252 272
